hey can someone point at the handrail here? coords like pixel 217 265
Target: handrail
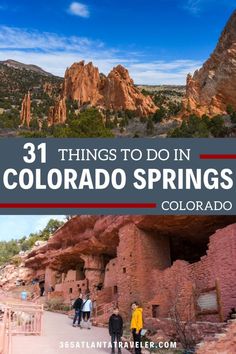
pixel 104 309
pixel 20 319
pixel 4 341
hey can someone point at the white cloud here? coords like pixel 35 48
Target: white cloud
pixel 160 72
pixel 193 6
pixel 54 53
pixel 79 9
pixel 197 6
pixel 18 38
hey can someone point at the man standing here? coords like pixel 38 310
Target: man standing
pixel 136 326
pixel 86 311
pixel 78 307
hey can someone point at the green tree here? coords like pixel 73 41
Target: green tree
pixel 229 109
pixel 50 228
pixel 88 124
pixel 233 117
pixel 9 249
pixel 200 127
pixel 159 115
pixel 217 127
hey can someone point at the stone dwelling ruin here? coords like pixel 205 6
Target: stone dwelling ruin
pixel 160 261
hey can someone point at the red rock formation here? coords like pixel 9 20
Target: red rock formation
pixel 25 116
pixel 57 113
pixel 153 259
pixel 119 92
pixel 224 343
pixel 112 249
pixel 81 83
pixel 212 88
pixel 84 84
pixel 11 273
pixel 48 88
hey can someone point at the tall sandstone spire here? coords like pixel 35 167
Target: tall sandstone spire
pixel 119 92
pixel 212 88
pixel 25 115
pixel 57 113
pixel 84 84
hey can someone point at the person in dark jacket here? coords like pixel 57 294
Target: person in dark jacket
pixel 78 307
pixel 116 329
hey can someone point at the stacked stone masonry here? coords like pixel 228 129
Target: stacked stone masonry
pixel 120 259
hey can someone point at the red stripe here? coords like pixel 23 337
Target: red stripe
pixel 218 156
pixel 77 205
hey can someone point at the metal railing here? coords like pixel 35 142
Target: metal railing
pixel 20 319
pixel 4 336
pixel 104 310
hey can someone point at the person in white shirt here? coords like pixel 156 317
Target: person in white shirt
pixel 86 311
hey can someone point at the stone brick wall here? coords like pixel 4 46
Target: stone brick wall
pixel 50 278
pixel 187 280
pixel 127 280
pixel 71 275
pixel 111 271
pixel 137 254
pixel 94 271
pixel 141 270
pixel 173 289
pixel 71 289
pixel 219 264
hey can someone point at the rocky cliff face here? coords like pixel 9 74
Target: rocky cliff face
pixel 84 84
pixel 25 115
pixel 81 83
pixel 97 235
pixel 11 273
pixel 119 258
pixel 212 88
pixel 119 92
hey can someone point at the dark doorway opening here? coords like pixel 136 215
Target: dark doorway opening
pixel 155 311
pixel 187 249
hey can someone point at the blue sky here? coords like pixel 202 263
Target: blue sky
pixel 159 41
pixel 17 226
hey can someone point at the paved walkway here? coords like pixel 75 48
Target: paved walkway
pixel 58 328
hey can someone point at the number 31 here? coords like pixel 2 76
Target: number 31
pixel 31 155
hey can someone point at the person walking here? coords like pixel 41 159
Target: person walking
pixel 116 330
pixel 86 311
pixel 78 307
pixel 136 326
pixel 24 295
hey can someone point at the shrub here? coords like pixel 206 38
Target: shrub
pixel 229 109
pixel 16 260
pixel 200 127
pixel 233 117
pixel 160 114
pixel 88 124
pixel 55 304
